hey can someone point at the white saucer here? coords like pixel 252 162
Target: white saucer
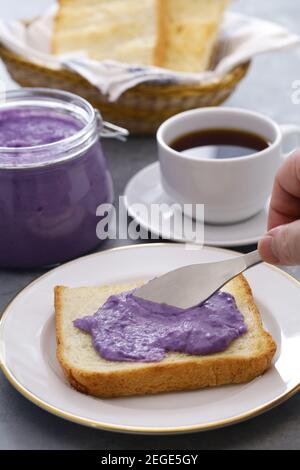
pixel 145 188
pixel 28 359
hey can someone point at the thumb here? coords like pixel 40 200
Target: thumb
pixel 282 245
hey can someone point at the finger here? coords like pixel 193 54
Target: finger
pixel 285 200
pixel 282 245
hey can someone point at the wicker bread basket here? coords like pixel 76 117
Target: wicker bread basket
pixel 141 109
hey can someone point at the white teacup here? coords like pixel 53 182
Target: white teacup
pixel 232 189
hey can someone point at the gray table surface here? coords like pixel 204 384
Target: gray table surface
pixel 268 89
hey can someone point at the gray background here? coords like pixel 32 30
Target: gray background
pixel 268 88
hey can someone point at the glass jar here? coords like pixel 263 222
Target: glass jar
pixel 49 193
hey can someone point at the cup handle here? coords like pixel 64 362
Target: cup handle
pixel 288 130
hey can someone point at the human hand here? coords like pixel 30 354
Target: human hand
pixel 281 245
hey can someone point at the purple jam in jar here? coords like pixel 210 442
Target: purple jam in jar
pixel 53 176
pixel 30 127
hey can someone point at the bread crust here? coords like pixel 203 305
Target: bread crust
pixel 56 20
pixel 190 374
pixel 159 52
pixel 195 54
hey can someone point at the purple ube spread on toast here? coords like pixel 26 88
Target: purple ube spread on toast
pixel 127 328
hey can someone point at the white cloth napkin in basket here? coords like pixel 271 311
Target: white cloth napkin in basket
pixel 241 39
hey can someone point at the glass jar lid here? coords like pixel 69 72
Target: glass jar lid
pixel 42 127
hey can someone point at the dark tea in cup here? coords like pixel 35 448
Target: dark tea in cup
pixel 219 143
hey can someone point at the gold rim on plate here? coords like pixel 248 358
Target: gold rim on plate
pixel 137 429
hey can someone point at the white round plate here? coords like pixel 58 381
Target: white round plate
pixel 27 347
pixel 145 188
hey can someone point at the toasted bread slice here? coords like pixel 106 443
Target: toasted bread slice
pixel 187 33
pixel 122 30
pixel 247 357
